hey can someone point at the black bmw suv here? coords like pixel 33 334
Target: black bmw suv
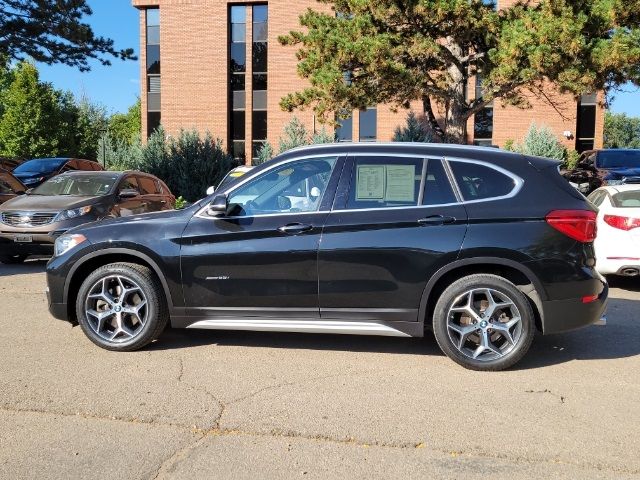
pixel 481 246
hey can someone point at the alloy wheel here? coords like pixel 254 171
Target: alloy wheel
pixel 484 324
pixel 116 308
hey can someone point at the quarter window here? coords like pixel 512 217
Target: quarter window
pixel 379 182
pixel 290 188
pixel 478 182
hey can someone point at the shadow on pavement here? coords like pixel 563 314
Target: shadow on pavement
pixel 33 265
pixel 625 283
pixel 178 338
pixel 619 339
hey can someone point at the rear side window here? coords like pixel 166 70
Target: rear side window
pixel 378 182
pixel 479 182
pixel 437 188
pixel 627 199
pixel 147 186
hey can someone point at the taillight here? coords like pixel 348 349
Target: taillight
pixel 577 224
pixel 623 223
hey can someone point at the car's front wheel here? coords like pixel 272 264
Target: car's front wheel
pixel 483 322
pixel 121 307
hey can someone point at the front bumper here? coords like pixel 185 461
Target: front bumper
pixel 58 310
pixel 41 243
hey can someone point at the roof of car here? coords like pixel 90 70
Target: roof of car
pixel 490 154
pixel 93 172
pixel 620 188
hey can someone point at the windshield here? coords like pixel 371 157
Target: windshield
pixel 77 185
pixel 618 159
pixel 232 176
pixel 40 166
pixel 629 199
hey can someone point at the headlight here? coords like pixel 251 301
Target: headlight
pixel 68 214
pixel 67 242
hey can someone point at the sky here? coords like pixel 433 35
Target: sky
pixel 117 87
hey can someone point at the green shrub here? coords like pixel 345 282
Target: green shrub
pixel 510 145
pixel 295 135
pixel 415 130
pixel 180 203
pixel 541 142
pixel 264 154
pixel 188 163
pixel 571 160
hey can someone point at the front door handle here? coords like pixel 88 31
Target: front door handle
pixel 295 228
pixel 436 220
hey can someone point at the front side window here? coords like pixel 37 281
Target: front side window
pixel 297 186
pixel 129 183
pixel 479 182
pixel 379 182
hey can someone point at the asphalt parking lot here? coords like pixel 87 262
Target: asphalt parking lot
pixel 201 404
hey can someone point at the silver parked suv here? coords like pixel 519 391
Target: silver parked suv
pixel 29 224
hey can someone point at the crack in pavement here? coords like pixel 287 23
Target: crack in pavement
pixel 182 452
pixel 562 399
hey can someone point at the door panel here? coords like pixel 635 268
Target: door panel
pixel 260 259
pixel 247 266
pixel 374 262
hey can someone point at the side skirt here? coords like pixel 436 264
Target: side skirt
pixel 387 329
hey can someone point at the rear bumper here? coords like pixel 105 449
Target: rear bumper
pixel 561 316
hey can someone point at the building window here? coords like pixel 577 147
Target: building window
pixel 259 37
pixel 237 82
pixel 153 83
pixel 483 120
pixel 344 130
pixel 586 127
pixel 368 126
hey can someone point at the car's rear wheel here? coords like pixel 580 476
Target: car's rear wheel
pixel 483 322
pixel 121 307
pixel 12 259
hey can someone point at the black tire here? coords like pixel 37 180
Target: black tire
pixel 514 353
pixel 157 315
pixel 12 259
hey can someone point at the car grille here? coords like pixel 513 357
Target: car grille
pixel 27 219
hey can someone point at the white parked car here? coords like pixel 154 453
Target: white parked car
pixel 618 242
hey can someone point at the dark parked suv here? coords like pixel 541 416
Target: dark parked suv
pixel 33 172
pixel 480 245
pixel 29 224
pixel 599 168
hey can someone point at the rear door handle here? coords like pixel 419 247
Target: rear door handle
pixel 295 228
pixel 436 220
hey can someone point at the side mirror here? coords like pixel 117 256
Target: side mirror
pixel 128 193
pixel 211 190
pixel 218 205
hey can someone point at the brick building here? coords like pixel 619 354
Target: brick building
pixel 216 65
